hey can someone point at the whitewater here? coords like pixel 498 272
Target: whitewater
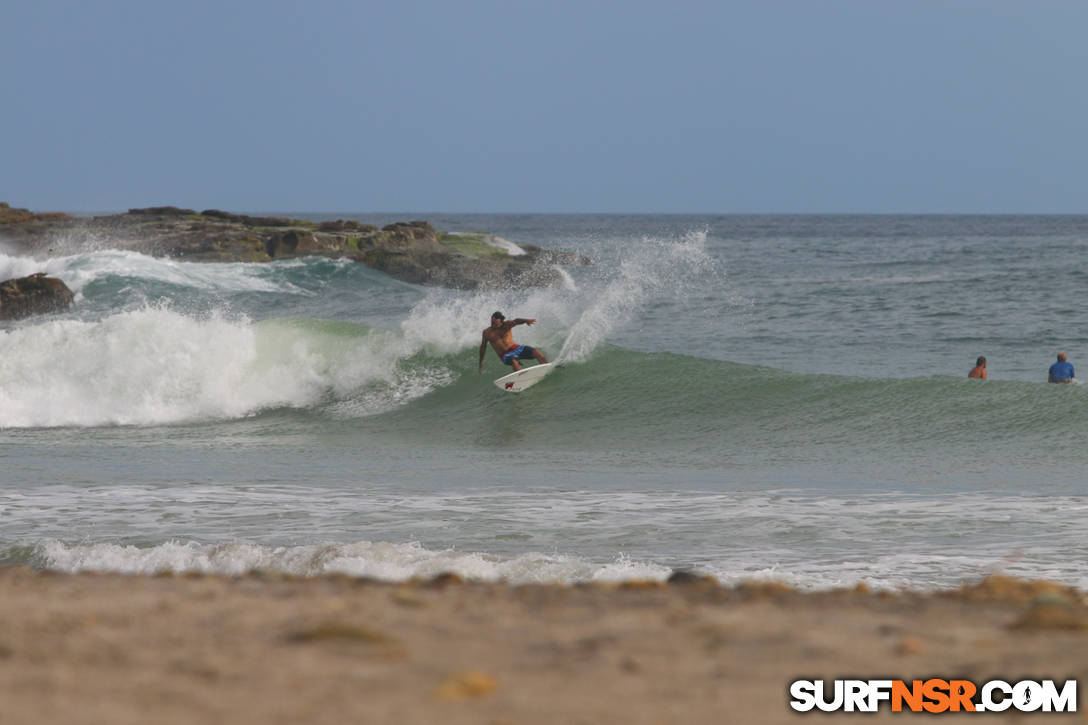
pixel 749 397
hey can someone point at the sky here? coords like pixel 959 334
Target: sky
pixel 745 106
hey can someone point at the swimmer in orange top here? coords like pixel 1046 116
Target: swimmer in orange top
pixel 979 370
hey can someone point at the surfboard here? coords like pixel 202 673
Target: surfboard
pixel 525 378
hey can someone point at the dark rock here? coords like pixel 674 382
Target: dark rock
pixel 410 231
pixel 265 221
pixel 682 577
pixel 346 226
pixel 8 215
pixel 249 221
pixel 293 243
pixel 33 295
pixel 217 214
pixel 162 211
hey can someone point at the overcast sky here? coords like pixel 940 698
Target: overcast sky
pixel 466 106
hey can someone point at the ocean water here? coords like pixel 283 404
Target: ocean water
pixel 779 397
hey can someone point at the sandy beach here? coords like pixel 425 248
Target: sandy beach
pixel 104 648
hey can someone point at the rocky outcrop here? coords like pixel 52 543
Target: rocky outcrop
pixel 33 295
pixel 410 251
pixel 8 215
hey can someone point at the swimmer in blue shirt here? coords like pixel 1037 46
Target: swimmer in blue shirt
pixel 1061 371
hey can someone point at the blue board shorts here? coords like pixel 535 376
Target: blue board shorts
pixel 521 352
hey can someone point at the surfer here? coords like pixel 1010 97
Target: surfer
pixel 501 337
pixel 979 370
pixel 1061 371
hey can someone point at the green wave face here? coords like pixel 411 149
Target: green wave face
pixel 665 407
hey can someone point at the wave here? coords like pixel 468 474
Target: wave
pixel 80 270
pixel 376 560
pixel 410 369
pixel 928 563
pixel 669 406
pixel 160 363
pixel 158 366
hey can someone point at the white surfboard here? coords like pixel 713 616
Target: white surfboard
pixel 527 377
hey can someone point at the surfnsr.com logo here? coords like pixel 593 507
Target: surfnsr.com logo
pixel 933 696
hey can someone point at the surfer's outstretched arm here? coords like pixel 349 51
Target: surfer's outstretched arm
pixel 483 351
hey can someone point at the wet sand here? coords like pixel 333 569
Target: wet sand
pixel 103 648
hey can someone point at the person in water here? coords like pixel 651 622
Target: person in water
pixel 500 335
pixel 1061 371
pixel 979 370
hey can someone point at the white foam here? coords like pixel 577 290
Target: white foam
pixel 158 366
pixel 807 539
pixel 574 317
pixel 448 323
pixel 568 282
pixel 377 560
pixel 155 365
pixel 12 267
pixel 80 270
pixel 401 390
pixel 654 268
